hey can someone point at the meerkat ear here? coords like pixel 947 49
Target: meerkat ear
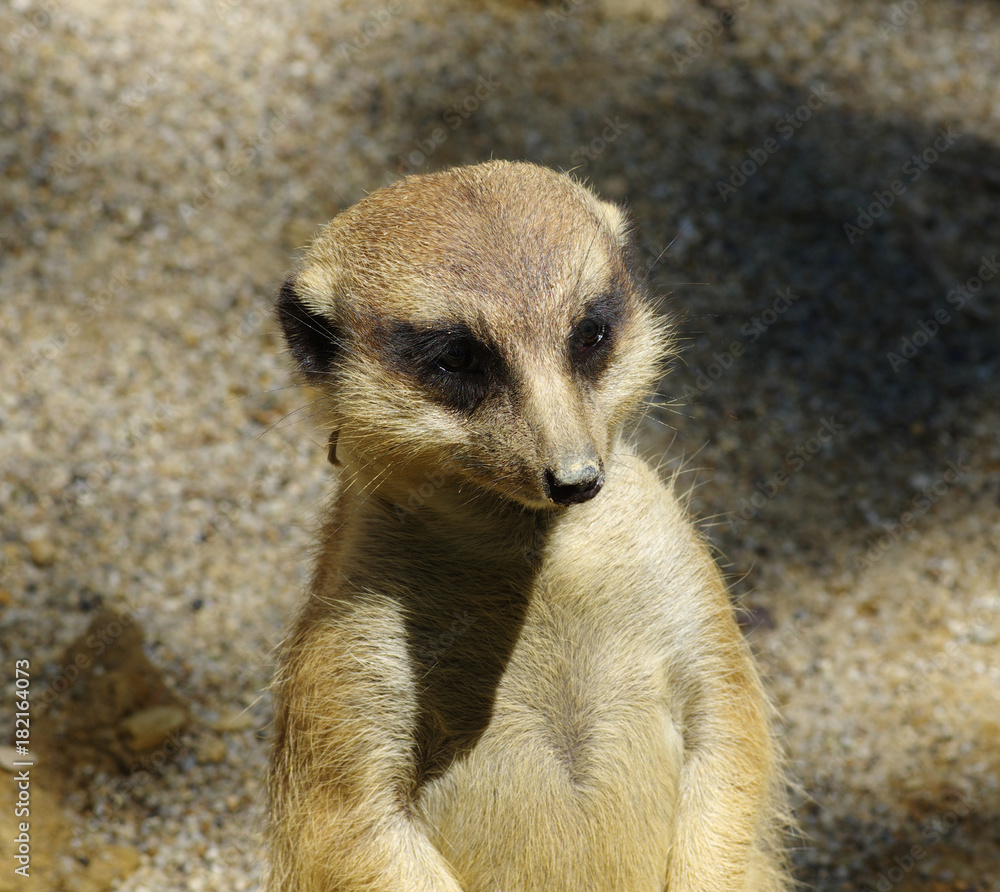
pixel 618 222
pixel 312 339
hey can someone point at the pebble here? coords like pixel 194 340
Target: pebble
pixel 211 749
pixel 43 552
pixel 149 728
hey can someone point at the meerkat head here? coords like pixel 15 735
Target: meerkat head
pixel 482 323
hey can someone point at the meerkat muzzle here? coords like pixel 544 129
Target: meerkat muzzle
pixel 579 481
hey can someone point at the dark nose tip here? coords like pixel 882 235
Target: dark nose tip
pixel 577 484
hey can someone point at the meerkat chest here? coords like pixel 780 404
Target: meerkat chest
pixel 590 795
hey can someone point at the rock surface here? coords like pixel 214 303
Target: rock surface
pixel 107 707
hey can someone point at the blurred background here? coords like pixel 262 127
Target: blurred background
pixel 816 193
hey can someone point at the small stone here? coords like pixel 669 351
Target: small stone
pixel 149 728
pixel 43 553
pixel 210 750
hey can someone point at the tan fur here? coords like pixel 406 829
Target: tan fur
pixel 486 690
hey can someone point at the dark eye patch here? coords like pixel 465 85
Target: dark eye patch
pixel 447 358
pixel 593 337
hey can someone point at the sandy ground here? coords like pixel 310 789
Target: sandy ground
pixel 816 186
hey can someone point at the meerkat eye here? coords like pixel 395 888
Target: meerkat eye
pixel 589 334
pixel 587 339
pixel 592 341
pixel 457 357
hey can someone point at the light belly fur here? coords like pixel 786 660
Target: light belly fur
pixel 598 759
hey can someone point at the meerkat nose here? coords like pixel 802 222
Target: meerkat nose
pixel 576 482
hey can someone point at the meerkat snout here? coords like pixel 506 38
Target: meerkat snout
pixel 576 482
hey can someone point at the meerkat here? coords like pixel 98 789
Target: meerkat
pixel 518 668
